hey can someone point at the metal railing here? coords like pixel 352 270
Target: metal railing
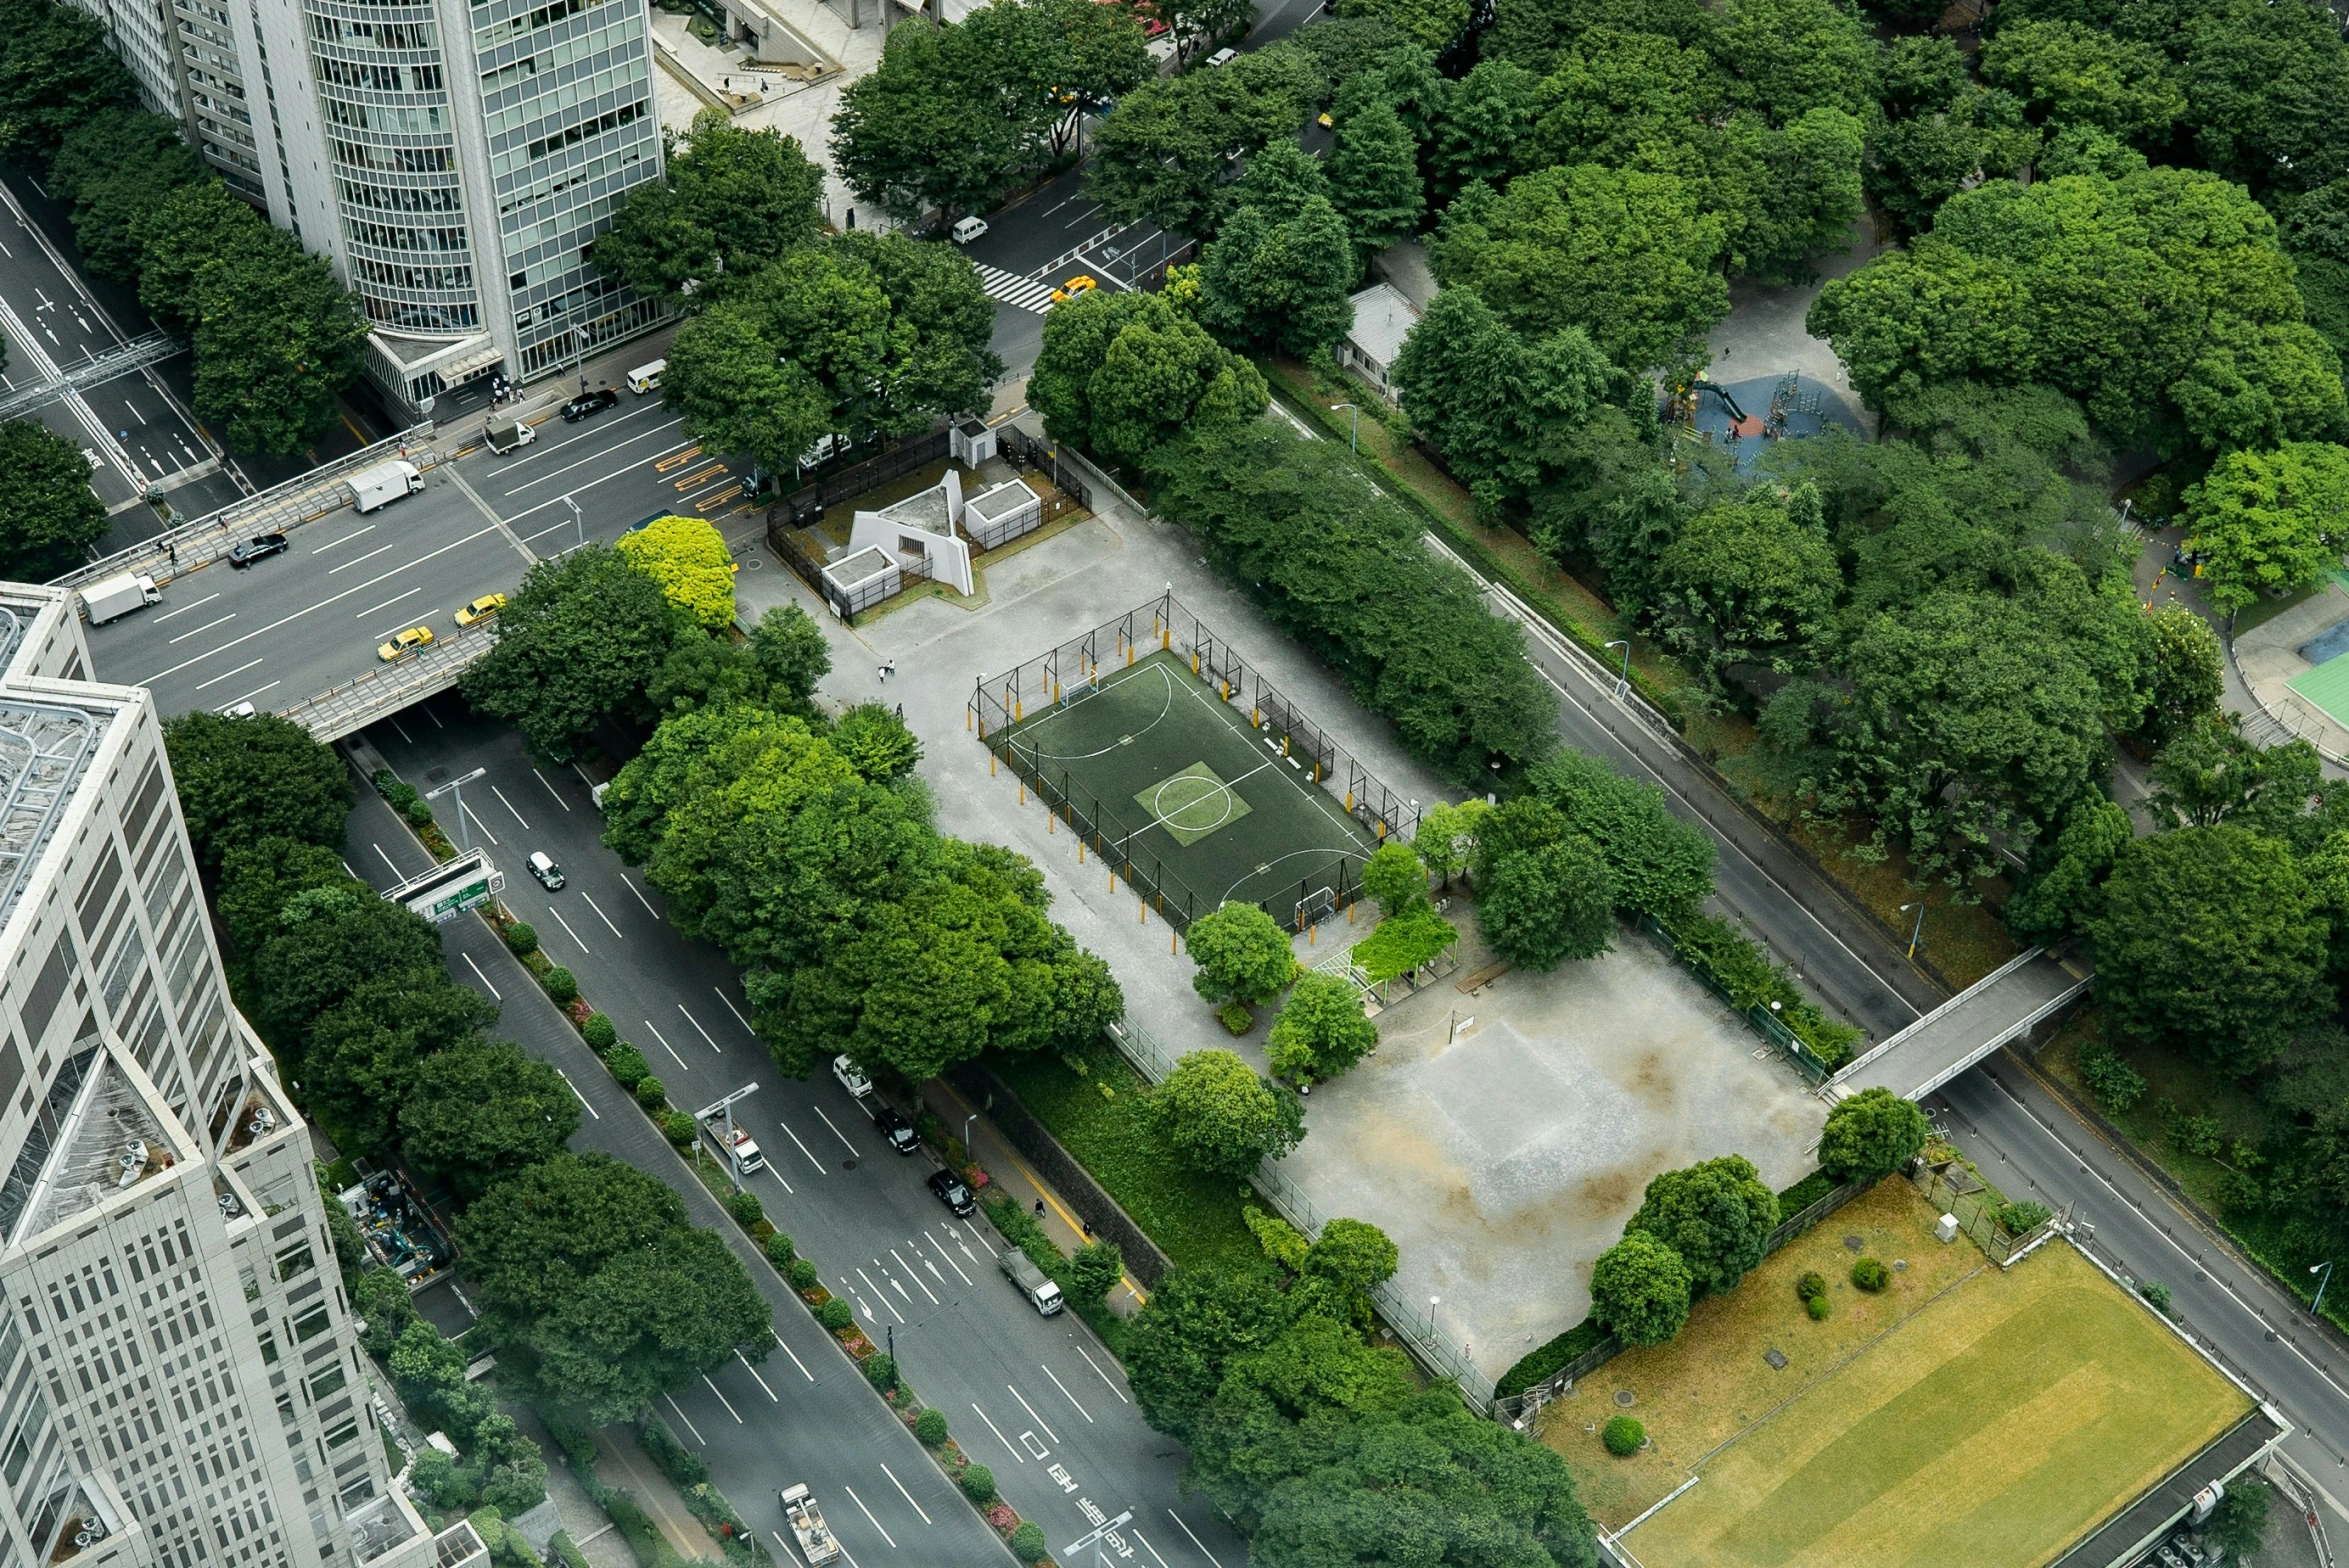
pixel 120 360
pixel 351 707
pixel 299 500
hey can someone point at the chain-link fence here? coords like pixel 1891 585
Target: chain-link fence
pixel 1764 1022
pixel 1951 1190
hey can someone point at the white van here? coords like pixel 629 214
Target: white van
pixel 1222 58
pixel 647 378
pixel 968 229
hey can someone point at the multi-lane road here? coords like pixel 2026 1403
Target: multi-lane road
pixel 1039 1401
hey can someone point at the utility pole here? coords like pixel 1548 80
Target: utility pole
pixel 457 787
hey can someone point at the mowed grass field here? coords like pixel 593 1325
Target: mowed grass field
pixel 1963 1416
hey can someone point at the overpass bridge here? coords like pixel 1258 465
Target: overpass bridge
pixel 2007 1005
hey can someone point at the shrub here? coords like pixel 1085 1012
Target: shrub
pixel 2155 1292
pixel 1623 1435
pixel 881 1370
pixel 1811 1286
pixel 803 1275
pixel 1870 1274
pixel 561 986
pixel 627 1064
pixel 779 1251
pixel 2020 1219
pixel 521 940
pixel 978 1484
pixel 744 1206
pixel 677 1127
pixel 2195 1135
pixel 419 814
pixel 651 1093
pixel 598 1033
pixel 930 1427
pixel 1235 1018
pixel 1027 1543
pixel 2110 1079
pixel 674 1460
pixel 1544 1362
pixel 835 1315
pixel 1818 1309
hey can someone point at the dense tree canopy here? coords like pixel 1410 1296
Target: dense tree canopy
pixel 244 780
pixel 1120 374
pixel 479 1111
pixel 49 515
pixel 56 72
pixel 1716 1214
pixel 1165 153
pixel 1872 1133
pixel 578 640
pixel 2270 521
pixel 730 201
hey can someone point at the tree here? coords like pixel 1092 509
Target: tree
pixel 1640 1288
pixel 1320 1031
pixel 2238 1525
pixel 2184 672
pixel 1093 1271
pixel 2269 521
pixel 257 879
pixel 1432 26
pixel 115 167
pixel 646 1323
pixel 533 1236
pixel 1623 254
pixel 1194 22
pixel 1716 1214
pixel 928 128
pixel 1280 282
pixel 791 650
pixel 178 237
pixel 1747 582
pixel 1483 130
pixel 578 640
pixel 365 1054
pixel 1807 192
pixel 1242 955
pixel 1447 837
pixel 2210 939
pixel 330 941
pixel 2209 773
pixel 875 742
pixel 1119 374
pixel 1786 57
pixel 1374 176
pixel 1543 894
pixel 480 1111
pixel 276 341
pixel 1164 155
pixel 1394 878
pixel 1873 1133
pixel 2066 890
pixel 2079 75
pixel 690 561
pixel 1352 1254
pixel 1660 865
pixel 56 71
pixel 730 201
pixel 1191 1328
pixel 241 780
pixel 1223 1117
pixel 2254 76
pixel 49 515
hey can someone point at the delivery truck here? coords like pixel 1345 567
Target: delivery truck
pixel 372 487
pixel 118 596
pixel 507 435
pixel 736 1147
pixel 1021 1270
pixel 807 1523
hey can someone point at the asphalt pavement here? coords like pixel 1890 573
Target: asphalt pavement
pixel 1037 1400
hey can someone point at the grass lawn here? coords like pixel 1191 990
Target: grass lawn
pixel 1967 1415
pixel 1194 1219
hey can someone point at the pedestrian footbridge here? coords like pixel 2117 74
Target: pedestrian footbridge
pixel 2003 1007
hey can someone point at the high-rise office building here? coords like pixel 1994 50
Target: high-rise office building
pixel 180 1381
pixel 454 161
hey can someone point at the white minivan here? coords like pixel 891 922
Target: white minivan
pixel 968 229
pixel 647 378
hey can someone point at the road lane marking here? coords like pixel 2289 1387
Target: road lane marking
pixel 868 1513
pixel 902 1492
pixel 1097 1372
pixel 640 898
pixel 1152 1550
pixel 1195 1541
pixel 201 630
pixel 664 1039
pixel 426 709
pixel 998 1431
pixel 394 722
pixel 704 1033
pixel 599 911
pixel 568 1084
pixel 387 860
pixel 509 805
pixel 185 608
pixel 217 679
pixel 559 920
pixel 729 1006
pixel 381 549
pixel 881 1295
pixel 345 539
pixel 493 993
pixel 836 1132
pixel 646 435
pixel 550 789
pixel 787 1350
pixel 794 1137
pixel 388 603
pixel 296 615
pixel 917 1279
pixel 983 1241
pixel 950 1263
pixel 1065 1394
pixel 1031 1410
pixel 493 838
pixel 688 1420
pixel 600 428
pixel 723 1400
pixel 754 1375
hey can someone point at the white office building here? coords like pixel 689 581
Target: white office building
pixel 454 161
pixel 179 1377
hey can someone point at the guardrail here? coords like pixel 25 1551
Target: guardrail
pixel 351 707
pixel 299 500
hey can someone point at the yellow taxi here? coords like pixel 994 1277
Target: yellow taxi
pixel 405 643
pixel 481 609
pixel 1326 122
pixel 1082 283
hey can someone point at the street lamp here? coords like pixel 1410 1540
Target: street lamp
pixel 966 1137
pixel 578 520
pixel 1354 445
pixel 1623 681
pixel 1432 1303
pixel 725 1107
pixel 1916 937
pixel 2321 1284
pixel 457 788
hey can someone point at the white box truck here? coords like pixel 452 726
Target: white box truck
pixel 372 487
pixel 1021 1270
pixel 742 1153
pixel 807 1523
pixel 118 596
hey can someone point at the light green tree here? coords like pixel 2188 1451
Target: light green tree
pixel 2270 521
pixel 1222 1116
pixel 1320 1031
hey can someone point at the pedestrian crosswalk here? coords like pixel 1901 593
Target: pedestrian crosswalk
pixel 1014 290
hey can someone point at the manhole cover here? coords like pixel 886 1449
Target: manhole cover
pixel 1853 1243
pixel 1625 1398
pixel 848 1165
pixel 1776 1358
pixel 1900 1265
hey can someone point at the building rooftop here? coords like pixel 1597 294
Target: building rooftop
pixel 378 1525
pixel 927 511
pixel 864 565
pixel 1383 318
pixel 44 744
pixel 1002 500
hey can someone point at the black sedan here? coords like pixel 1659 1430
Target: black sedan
pixel 896 1129
pixel 952 1192
pixel 258 548
pixel 587 403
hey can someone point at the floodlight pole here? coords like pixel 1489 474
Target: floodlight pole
pixel 2319 1308
pixel 725 1107
pixel 1094 1540
pixel 1916 937
pixel 1355 443
pixel 457 787
pixel 1623 681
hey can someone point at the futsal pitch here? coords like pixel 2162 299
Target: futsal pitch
pixel 1179 782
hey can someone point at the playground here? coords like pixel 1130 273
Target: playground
pixel 1963 1414
pixel 1743 418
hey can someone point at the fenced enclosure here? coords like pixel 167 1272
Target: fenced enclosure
pixel 1950 1188
pixel 1186 773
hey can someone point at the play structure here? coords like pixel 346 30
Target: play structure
pixel 1719 415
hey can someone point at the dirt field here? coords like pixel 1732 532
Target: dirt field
pixel 1964 1415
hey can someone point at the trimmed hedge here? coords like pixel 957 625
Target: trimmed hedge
pixel 1544 1361
pixel 1623 1435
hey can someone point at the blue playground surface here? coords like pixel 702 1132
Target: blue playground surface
pixel 1773 408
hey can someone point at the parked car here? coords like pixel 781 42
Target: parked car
pixel 852 1077
pixel 238 710
pixel 544 871
pixel 587 403
pixel 1082 283
pixel 406 643
pixel 258 548
pixel 1222 57
pixel 953 1191
pixel 968 229
pixel 896 1129
pixel 481 609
